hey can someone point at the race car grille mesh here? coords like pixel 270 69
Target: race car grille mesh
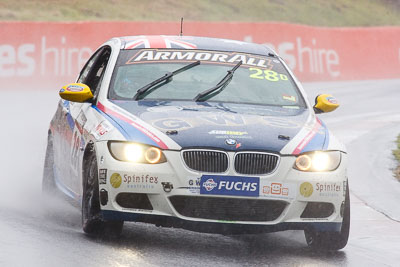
pixel 255 163
pixel 318 210
pixel 228 209
pixel 134 201
pixel 206 161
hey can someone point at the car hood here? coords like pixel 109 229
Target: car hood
pixel 220 125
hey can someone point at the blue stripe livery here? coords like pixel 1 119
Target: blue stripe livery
pixel 320 141
pixel 128 131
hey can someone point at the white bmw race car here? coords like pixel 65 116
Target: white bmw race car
pixel 210 135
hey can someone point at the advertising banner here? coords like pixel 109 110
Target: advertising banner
pixel 44 54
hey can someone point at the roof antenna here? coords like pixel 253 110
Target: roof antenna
pixel 181 27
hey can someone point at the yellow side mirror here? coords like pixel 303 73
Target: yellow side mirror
pixel 76 92
pixel 325 103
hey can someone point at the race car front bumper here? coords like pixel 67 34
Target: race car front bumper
pixel 171 194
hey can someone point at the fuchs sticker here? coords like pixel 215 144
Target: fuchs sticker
pixel 230 185
pixel 75 88
pixel 209 184
pixel 332 100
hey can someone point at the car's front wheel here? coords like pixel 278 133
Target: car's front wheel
pixel 331 240
pixel 92 220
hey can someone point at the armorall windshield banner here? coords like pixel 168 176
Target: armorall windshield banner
pixel 42 55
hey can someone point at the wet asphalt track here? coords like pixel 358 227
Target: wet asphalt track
pixel 42 232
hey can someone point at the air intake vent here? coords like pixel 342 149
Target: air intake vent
pixel 134 201
pixel 255 163
pixel 318 210
pixel 206 160
pixel 229 209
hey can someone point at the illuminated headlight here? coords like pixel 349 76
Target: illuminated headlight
pixel 135 152
pixel 318 161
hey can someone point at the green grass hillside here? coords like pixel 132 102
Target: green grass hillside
pixel 311 12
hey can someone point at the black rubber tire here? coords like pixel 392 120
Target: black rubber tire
pixel 92 221
pixel 49 186
pixel 331 241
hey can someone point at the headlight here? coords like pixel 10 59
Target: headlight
pixel 135 152
pixel 318 161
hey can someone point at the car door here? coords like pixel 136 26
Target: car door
pixel 76 119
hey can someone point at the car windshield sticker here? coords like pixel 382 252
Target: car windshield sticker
pixel 291 98
pixel 268 75
pixel 157 56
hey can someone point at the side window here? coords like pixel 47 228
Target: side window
pixel 88 66
pixel 93 72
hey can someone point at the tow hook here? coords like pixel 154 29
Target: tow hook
pixel 103 197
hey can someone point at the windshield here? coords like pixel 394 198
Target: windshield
pixel 259 80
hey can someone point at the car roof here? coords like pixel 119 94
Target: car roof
pixel 192 42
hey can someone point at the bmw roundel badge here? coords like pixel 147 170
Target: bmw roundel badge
pixel 230 142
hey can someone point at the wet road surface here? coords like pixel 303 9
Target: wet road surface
pixel 47 232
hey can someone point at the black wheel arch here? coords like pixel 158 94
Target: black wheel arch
pixel 89 151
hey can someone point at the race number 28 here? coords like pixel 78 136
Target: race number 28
pixel 269 75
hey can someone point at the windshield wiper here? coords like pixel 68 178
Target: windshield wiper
pixel 221 85
pixel 166 79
